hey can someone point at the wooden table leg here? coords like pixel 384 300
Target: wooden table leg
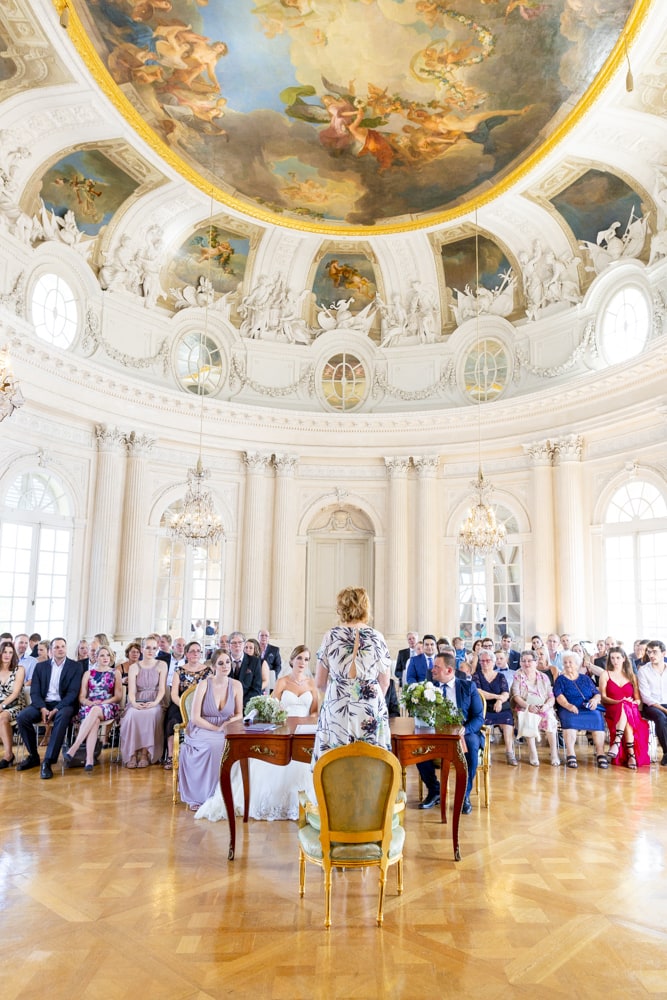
pixel 461 768
pixel 226 789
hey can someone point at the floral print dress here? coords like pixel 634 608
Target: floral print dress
pixel 353 709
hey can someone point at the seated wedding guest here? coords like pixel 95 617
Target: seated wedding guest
pixel 628 732
pixel 503 668
pixel 467 699
pixel 269 653
pixel 142 724
pixel 578 699
pixel 513 655
pixel 26 659
pixel 652 679
pixel 193 671
pixel 247 669
pixel 100 697
pixel 493 690
pixel 251 648
pixel 473 654
pixel 638 659
pixel 218 700
pixel 404 655
pixel 391 698
pixel 536 643
pixel 443 645
pixel 132 656
pixel 459 649
pixel 420 666
pixel 53 698
pixel 533 699
pixel 12 676
pixel 82 653
pixel 600 659
pixel 545 667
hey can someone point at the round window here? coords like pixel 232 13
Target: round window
pixel 344 382
pixel 625 326
pixel 54 311
pixel 485 371
pixel 199 367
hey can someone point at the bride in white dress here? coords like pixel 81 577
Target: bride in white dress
pixel 274 791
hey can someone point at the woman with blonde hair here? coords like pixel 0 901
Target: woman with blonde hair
pixel 354 670
pixel 100 696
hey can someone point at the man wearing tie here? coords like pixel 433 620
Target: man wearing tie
pixel 421 665
pixel 54 694
pixel 247 669
pixel 469 703
pixel 405 655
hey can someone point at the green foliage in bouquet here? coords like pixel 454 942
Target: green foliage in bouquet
pixel 268 709
pixel 426 702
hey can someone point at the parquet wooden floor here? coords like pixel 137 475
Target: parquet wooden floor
pixel 109 892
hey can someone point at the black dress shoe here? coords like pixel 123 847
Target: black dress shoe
pixel 46 771
pixel 4 763
pixel 432 799
pixel 466 807
pixel 27 763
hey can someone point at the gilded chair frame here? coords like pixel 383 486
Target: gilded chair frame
pixel 342 778
pixel 179 731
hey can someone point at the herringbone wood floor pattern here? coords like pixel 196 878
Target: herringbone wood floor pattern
pixel 109 892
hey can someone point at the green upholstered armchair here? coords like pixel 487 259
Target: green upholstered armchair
pixel 358 818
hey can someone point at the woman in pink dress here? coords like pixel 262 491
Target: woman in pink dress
pixel 101 692
pixel 628 731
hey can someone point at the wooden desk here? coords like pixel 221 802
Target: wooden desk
pixel 281 745
pixel 278 746
pixel 412 746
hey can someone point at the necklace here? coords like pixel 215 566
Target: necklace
pixel 300 683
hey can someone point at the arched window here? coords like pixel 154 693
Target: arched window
pixel 490 586
pixel 188 585
pixel 54 310
pixel 636 561
pixel 35 546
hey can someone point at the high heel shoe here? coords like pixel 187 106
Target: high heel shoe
pixel 632 760
pixel 616 746
pixel 4 763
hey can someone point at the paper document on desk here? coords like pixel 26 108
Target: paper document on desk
pixel 261 727
pixel 305 729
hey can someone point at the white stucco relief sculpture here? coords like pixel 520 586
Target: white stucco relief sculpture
pixel 339 316
pixel 135 269
pixel 422 313
pixel 609 246
pixel 548 279
pixel 485 301
pixel 394 321
pixel 271 311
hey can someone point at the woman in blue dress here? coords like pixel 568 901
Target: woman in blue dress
pixel 578 700
pixel 353 668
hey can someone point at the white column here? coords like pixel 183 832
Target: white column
pixel 544 541
pixel 570 561
pixel 253 558
pixel 105 530
pixel 283 617
pixel 134 580
pixel 396 578
pixel 426 570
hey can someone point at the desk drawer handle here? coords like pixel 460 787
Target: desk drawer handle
pixel 307 750
pixel 263 751
pixel 420 751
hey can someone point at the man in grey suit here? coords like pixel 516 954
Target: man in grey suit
pixel 268 653
pixel 54 696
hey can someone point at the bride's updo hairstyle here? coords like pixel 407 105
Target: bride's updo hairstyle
pixel 353 605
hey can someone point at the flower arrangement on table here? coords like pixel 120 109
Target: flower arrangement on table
pixel 268 709
pixel 428 704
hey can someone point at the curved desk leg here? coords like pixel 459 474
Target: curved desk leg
pixel 226 789
pixel 245 774
pixel 461 768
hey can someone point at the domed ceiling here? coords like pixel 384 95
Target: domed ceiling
pixel 353 115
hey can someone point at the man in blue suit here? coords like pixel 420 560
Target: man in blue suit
pixel 513 655
pixel 419 667
pixel 54 696
pixel 469 704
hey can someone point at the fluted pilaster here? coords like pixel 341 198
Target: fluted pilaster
pixel 425 572
pixel 283 622
pixel 544 541
pixel 254 553
pixel 397 546
pixel 132 615
pixel 105 530
pixel 571 592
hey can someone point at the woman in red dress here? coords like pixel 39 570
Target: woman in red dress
pixel 628 731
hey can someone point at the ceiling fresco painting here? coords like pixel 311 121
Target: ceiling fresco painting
pixel 345 114
pixel 88 184
pixel 596 201
pixel 349 277
pixel 214 253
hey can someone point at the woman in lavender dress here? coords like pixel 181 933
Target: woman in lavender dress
pixel 353 667
pixel 217 701
pixel 142 725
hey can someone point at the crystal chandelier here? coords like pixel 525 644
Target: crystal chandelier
pixel 480 532
pixel 198 523
pixel 10 394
